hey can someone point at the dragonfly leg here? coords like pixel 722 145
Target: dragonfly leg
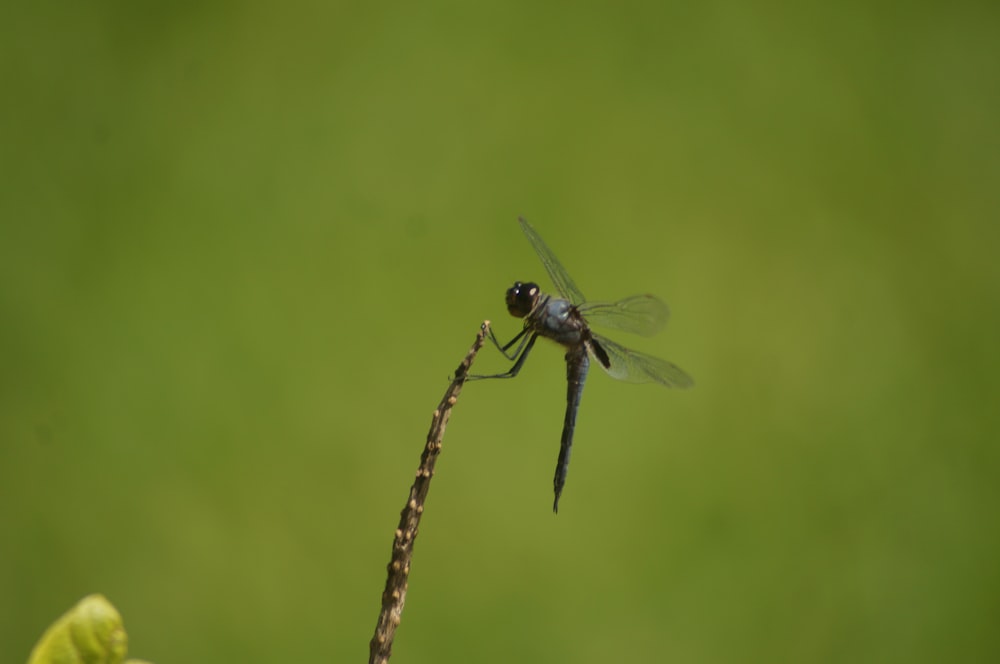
pixel 503 349
pixel 520 355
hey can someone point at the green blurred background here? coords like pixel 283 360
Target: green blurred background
pixel 242 247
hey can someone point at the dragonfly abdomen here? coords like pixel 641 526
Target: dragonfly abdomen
pixel 577 365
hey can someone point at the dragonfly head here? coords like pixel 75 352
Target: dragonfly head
pixel 522 298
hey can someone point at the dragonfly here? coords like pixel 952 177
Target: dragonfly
pixel 566 320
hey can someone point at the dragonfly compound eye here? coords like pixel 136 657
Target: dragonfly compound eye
pixel 521 298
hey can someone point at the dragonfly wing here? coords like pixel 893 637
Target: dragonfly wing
pixel 635 367
pixel 563 282
pixel 640 314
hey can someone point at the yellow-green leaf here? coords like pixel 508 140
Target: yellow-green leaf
pixel 89 633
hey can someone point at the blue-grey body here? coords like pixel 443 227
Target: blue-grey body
pixel 557 319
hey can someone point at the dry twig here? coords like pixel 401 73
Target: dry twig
pixel 394 595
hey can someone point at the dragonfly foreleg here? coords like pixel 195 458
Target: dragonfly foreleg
pixel 519 356
pixel 503 349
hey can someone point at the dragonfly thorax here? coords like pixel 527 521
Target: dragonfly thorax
pixel 522 298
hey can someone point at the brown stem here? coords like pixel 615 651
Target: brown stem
pixel 394 595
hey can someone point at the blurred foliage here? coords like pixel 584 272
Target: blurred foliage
pixel 89 633
pixel 242 245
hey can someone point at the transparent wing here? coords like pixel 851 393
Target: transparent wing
pixel 635 367
pixel 639 314
pixel 563 282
